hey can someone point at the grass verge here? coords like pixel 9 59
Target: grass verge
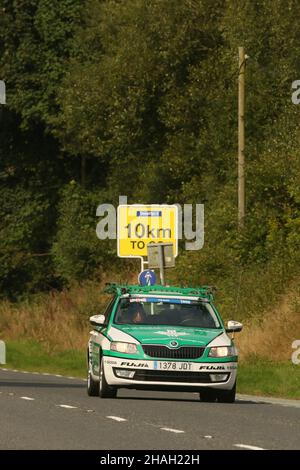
pixel 255 377
pixel 31 356
pixel 267 378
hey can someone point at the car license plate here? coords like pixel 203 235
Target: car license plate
pixel 168 365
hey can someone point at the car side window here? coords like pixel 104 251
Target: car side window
pixel 109 309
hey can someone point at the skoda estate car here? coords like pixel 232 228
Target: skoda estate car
pixel 162 338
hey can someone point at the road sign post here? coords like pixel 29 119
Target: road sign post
pixel 160 255
pixel 161 265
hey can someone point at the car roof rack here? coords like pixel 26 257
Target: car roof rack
pixel 205 292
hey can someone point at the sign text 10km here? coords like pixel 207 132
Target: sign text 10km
pixel 140 224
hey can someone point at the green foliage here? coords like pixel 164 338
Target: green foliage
pixel 36 40
pixel 24 264
pixel 77 253
pixel 146 93
pixel 124 104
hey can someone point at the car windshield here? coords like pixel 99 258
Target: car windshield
pixel 167 311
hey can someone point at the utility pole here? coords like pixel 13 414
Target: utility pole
pixel 2 97
pixel 241 139
pixel 2 92
pixel 161 264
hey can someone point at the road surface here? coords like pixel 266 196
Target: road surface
pixel 39 411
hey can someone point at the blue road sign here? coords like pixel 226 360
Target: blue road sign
pixel 147 278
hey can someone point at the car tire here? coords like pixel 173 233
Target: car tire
pixel 92 385
pixel 105 390
pixel 226 396
pixel 208 395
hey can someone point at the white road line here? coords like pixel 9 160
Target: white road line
pixel 269 400
pixel 42 373
pixel 246 446
pixel 177 431
pixel 116 418
pixel 67 406
pixel 27 398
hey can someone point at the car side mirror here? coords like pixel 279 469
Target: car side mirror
pixel 234 326
pixel 97 320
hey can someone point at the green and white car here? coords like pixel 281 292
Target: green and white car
pixel 162 338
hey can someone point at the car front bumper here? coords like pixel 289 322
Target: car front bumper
pixel 159 374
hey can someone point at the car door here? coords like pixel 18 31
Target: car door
pixel 97 339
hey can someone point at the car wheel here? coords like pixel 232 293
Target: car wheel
pixel 208 395
pixel 105 391
pixel 92 385
pixel 226 396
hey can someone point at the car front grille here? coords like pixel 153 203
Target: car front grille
pixel 172 376
pixel 163 352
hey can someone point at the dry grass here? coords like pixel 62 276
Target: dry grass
pixel 58 320
pixel 272 335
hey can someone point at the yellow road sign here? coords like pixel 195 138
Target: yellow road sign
pixel 140 224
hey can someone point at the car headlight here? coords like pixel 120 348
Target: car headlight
pixel 222 351
pixel 126 348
